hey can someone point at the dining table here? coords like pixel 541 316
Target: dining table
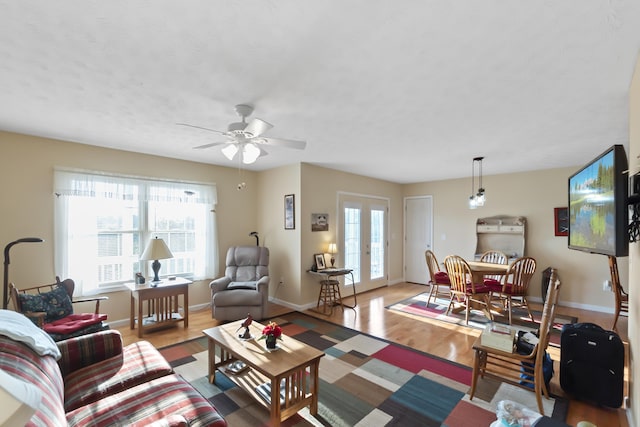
pixel 480 269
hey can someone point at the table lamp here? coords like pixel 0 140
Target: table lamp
pixel 156 249
pixel 333 249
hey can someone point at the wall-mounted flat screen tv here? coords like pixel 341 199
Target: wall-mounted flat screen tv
pixel 598 212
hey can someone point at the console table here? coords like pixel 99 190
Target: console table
pixel 329 294
pixel 162 304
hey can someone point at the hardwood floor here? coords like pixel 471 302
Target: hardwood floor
pixel 444 340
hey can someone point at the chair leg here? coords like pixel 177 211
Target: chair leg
pixel 526 304
pixel 479 360
pixel 615 318
pixel 450 304
pixel 467 302
pixel 434 287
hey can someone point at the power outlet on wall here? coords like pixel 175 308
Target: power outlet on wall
pixel 606 286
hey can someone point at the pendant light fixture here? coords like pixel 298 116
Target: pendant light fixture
pixel 477 199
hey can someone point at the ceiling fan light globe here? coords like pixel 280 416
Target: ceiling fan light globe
pixel 250 153
pixel 230 151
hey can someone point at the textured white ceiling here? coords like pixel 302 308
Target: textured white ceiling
pixel 406 91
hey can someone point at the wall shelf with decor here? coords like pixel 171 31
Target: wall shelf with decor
pixel 501 233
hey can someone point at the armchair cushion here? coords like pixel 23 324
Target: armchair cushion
pixel 73 322
pixel 55 303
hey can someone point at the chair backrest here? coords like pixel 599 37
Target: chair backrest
pixel 67 284
pixel 459 273
pixel 616 286
pixel 247 263
pixel 494 257
pixel 432 264
pixel 548 315
pixel 519 275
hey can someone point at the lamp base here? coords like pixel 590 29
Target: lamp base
pixel 333 261
pixel 156 268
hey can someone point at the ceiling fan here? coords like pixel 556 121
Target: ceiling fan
pixel 246 139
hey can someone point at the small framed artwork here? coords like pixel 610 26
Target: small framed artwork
pixel 320 265
pixel 319 222
pixel 289 212
pixel 561 221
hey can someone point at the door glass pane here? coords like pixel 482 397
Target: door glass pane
pixel 352 240
pixel 377 243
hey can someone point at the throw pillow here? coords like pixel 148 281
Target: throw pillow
pixel 55 303
pixel 242 285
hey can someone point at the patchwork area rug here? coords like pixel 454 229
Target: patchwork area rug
pixel 364 381
pixel 418 305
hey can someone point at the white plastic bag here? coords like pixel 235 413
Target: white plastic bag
pixel 513 414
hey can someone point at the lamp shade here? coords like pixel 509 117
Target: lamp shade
pixel 19 400
pixel 156 249
pixel 333 248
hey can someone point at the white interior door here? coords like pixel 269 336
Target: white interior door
pixel 363 227
pixel 418 220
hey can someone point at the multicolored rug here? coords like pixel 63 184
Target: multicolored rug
pixel 520 318
pixel 364 381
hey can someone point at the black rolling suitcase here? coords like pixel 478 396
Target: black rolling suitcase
pixel 592 364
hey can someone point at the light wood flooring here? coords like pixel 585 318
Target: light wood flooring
pixel 444 340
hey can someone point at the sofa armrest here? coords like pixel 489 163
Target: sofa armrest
pixel 88 349
pixel 220 284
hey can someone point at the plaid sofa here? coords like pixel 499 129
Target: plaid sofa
pixel 98 382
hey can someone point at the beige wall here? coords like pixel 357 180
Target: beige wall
pixel 26 171
pixel 319 189
pixel 634 248
pixel 532 195
pixel 284 245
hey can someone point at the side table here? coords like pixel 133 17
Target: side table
pixel 162 304
pixel 329 294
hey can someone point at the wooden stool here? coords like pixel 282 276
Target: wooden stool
pixel 329 295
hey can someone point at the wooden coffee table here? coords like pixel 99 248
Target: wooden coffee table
pixel 294 365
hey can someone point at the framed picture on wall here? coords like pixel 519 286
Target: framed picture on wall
pixel 289 212
pixel 561 221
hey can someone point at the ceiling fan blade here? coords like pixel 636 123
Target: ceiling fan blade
pixel 289 143
pixel 213 144
pixel 200 127
pixel 257 127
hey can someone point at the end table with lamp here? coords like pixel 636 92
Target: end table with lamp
pixel 330 295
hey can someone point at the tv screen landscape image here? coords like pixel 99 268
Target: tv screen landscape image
pixel 598 215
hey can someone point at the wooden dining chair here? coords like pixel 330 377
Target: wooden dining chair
pixel 515 286
pixel 523 370
pixel 463 290
pixel 494 257
pixel 437 278
pixel 622 298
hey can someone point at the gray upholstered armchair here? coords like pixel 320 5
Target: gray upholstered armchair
pixel 244 289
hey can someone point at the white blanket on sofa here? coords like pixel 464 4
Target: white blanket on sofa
pixel 19 328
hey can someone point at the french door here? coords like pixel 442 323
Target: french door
pixel 363 242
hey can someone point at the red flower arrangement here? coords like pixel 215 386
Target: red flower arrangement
pixel 272 329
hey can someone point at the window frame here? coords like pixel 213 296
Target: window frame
pixel 98 186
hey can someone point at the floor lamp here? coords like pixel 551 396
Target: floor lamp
pixel 5 300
